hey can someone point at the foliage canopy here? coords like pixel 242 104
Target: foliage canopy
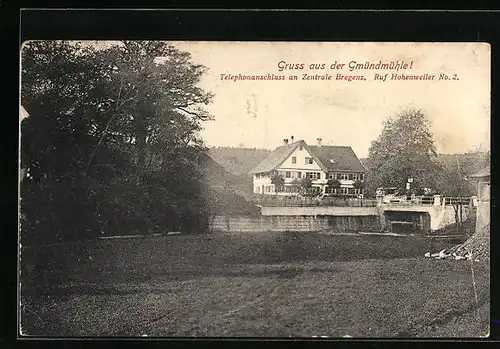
pixel 405 149
pixel 111 143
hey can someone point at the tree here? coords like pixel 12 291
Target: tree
pixel 159 104
pixel 358 184
pixel 405 149
pixel 333 183
pixel 296 185
pixel 57 82
pixel 305 185
pixel 112 139
pixel 278 181
pixel 452 183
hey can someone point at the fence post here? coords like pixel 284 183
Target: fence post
pixel 437 200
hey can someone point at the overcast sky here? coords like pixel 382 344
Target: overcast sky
pixel 261 113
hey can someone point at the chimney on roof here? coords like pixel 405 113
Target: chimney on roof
pixel 320 141
pixel 291 138
pixel 285 141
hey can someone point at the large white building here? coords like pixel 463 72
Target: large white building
pixel 297 160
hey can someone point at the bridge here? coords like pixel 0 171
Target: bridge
pixel 424 213
pixel 417 214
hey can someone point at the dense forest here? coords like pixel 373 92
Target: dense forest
pixel 111 145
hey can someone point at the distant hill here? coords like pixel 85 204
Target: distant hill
pixel 469 163
pixel 216 174
pixel 238 161
pixel 227 193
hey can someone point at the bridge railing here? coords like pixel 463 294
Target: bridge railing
pixel 429 201
pixel 298 201
pixel 463 200
pixel 411 201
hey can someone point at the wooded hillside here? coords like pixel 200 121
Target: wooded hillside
pixel 238 161
pixel 468 162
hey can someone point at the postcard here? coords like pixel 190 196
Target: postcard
pixel 254 189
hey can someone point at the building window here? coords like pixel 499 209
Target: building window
pixel 313 175
pixel 344 190
pixel 351 177
pixel 332 176
pixel 361 177
pixel 288 174
pixel 294 159
pixel 309 161
pixel 331 190
pixel 299 174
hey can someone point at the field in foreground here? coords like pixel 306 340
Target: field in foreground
pixel 273 285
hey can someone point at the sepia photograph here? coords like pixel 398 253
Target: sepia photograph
pixel 254 189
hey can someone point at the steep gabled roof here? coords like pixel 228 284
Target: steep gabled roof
pixel 344 158
pixel 337 158
pixel 276 157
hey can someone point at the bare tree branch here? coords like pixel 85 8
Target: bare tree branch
pixel 188 112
